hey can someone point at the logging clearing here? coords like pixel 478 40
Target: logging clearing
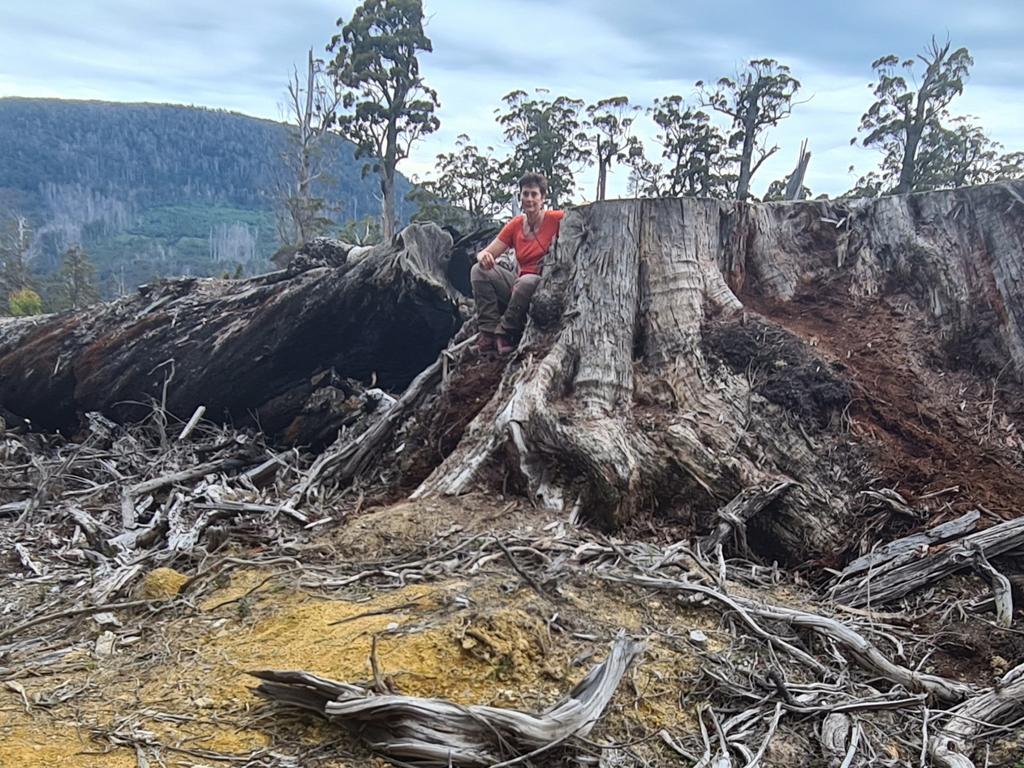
pixel 748 493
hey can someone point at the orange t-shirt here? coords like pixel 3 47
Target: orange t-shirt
pixel 530 252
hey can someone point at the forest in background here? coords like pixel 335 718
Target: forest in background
pixel 155 190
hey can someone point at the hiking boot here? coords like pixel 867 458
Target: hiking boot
pixel 485 342
pixel 505 347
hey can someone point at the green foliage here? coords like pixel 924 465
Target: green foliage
pixel 758 98
pixel 77 280
pixel 25 302
pixel 144 187
pixel 471 188
pixel 366 231
pixel 546 136
pixel 387 105
pixel 694 152
pixel 906 125
pixel 1010 166
pixel 608 125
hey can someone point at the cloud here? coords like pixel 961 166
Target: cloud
pixel 238 56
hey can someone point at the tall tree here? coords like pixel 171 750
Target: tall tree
pixel 609 123
pixel 695 153
pixel 386 105
pixel 547 136
pixel 758 98
pixel 906 124
pixel 470 188
pixel 311 107
pixel 77 279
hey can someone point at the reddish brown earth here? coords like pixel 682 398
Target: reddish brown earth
pixel 940 435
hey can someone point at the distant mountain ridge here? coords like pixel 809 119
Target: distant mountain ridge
pixel 157 189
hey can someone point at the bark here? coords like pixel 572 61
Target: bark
pixel 618 407
pixel 260 349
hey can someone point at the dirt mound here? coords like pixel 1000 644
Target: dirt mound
pixel 941 435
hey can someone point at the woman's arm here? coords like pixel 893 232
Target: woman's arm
pixel 487 256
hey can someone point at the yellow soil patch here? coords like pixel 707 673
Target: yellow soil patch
pixel 162 583
pixel 41 743
pixel 185 681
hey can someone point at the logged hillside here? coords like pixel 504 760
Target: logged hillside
pixel 154 189
pixel 748 493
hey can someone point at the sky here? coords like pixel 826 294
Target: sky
pixel 239 55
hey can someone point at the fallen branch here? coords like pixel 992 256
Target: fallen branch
pixel 861 650
pixel 434 733
pixel 12 631
pixel 900 577
pixel 735 515
pixel 951 746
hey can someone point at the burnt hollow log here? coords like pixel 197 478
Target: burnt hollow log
pixel 256 350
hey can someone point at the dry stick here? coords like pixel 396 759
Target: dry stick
pixel 1002 594
pixel 525 576
pixel 378 679
pixel 192 422
pixel 193 473
pixel 854 740
pixel 757 629
pixel 768 737
pixel 75 612
pixel 864 652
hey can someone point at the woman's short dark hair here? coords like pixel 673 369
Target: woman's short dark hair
pixel 532 179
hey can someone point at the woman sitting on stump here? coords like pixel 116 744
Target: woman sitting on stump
pixel 503 296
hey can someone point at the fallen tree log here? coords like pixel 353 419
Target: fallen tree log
pixel 903 574
pixel 256 349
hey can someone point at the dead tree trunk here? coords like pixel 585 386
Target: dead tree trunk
pixel 254 349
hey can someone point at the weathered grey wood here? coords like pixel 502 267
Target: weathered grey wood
pixel 435 732
pixel 952 745
pixel 910 547
pixel 733 516
pixel 1002 593
pixel 899 578
pixel 615 408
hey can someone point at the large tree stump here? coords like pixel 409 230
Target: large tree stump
pixel 641 385
pixel 627 401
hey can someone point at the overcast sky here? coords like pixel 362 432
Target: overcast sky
pixel 237 56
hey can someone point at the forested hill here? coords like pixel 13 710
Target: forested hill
pixel 155 189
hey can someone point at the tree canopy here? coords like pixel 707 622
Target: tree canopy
pixel 906 124
pixel 755 99
pixel 386 106
pixel 547 135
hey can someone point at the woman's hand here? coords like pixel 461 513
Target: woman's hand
pixel 485 259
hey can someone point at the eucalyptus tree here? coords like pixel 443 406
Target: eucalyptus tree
pixel 386 106
pixel 757 98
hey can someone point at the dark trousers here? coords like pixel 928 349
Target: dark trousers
pixel 502 299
